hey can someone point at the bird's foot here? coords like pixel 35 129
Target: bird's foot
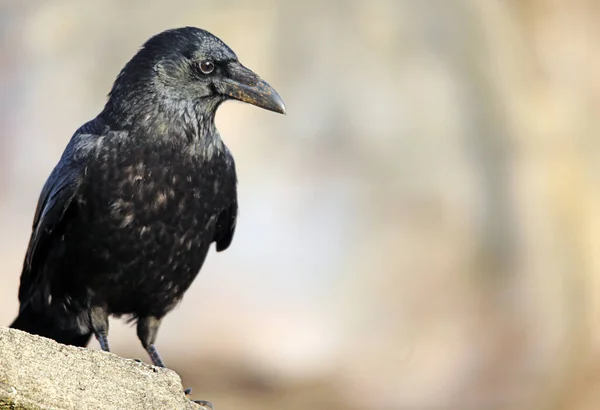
pixel 204 403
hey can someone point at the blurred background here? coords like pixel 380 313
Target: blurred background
pixel 420 232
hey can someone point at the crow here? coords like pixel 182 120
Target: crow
pixel 126 218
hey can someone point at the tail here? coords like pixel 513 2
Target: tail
pixel 36 323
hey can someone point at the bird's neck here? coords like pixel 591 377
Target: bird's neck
pixel 188 124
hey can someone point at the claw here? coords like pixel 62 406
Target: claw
pixel 205 404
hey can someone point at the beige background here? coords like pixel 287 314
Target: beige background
pixel 421 232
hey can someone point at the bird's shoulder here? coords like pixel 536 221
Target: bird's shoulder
pixel 69 172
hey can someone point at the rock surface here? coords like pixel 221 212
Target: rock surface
pixel 38 373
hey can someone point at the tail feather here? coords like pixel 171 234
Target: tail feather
pixel 36 323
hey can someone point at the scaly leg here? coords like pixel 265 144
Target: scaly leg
pixel 147 329
pixel 99 322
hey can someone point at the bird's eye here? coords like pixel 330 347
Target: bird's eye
pixel 207 67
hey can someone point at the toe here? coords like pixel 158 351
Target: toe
pixel 205 404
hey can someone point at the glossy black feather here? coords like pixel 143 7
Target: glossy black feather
pixel 127 216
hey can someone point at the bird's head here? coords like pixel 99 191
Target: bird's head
pixel 182 68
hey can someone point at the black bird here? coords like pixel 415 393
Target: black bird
pixel 127 216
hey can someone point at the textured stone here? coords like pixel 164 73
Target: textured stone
pixel 38 373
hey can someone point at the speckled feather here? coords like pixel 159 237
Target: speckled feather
pixel 127 217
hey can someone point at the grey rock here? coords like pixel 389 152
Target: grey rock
pixel 38 373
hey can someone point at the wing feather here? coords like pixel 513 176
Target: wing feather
pixel 226 226
pixel 51 215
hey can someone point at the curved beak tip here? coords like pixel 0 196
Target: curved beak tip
pixel 281 109
pixel 260 94
pixel 266 97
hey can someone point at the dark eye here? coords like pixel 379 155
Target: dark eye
pixel 207 67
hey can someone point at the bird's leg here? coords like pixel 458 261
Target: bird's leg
pixel 156 359
pixel 99 323
pixel 147 329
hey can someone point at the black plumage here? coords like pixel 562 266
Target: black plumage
pixel 127 216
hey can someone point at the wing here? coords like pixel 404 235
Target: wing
pixel 226 226
pixel 228 217
pixel 55 199
pixel 54 210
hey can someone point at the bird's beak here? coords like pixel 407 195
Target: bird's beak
pixel 242 84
